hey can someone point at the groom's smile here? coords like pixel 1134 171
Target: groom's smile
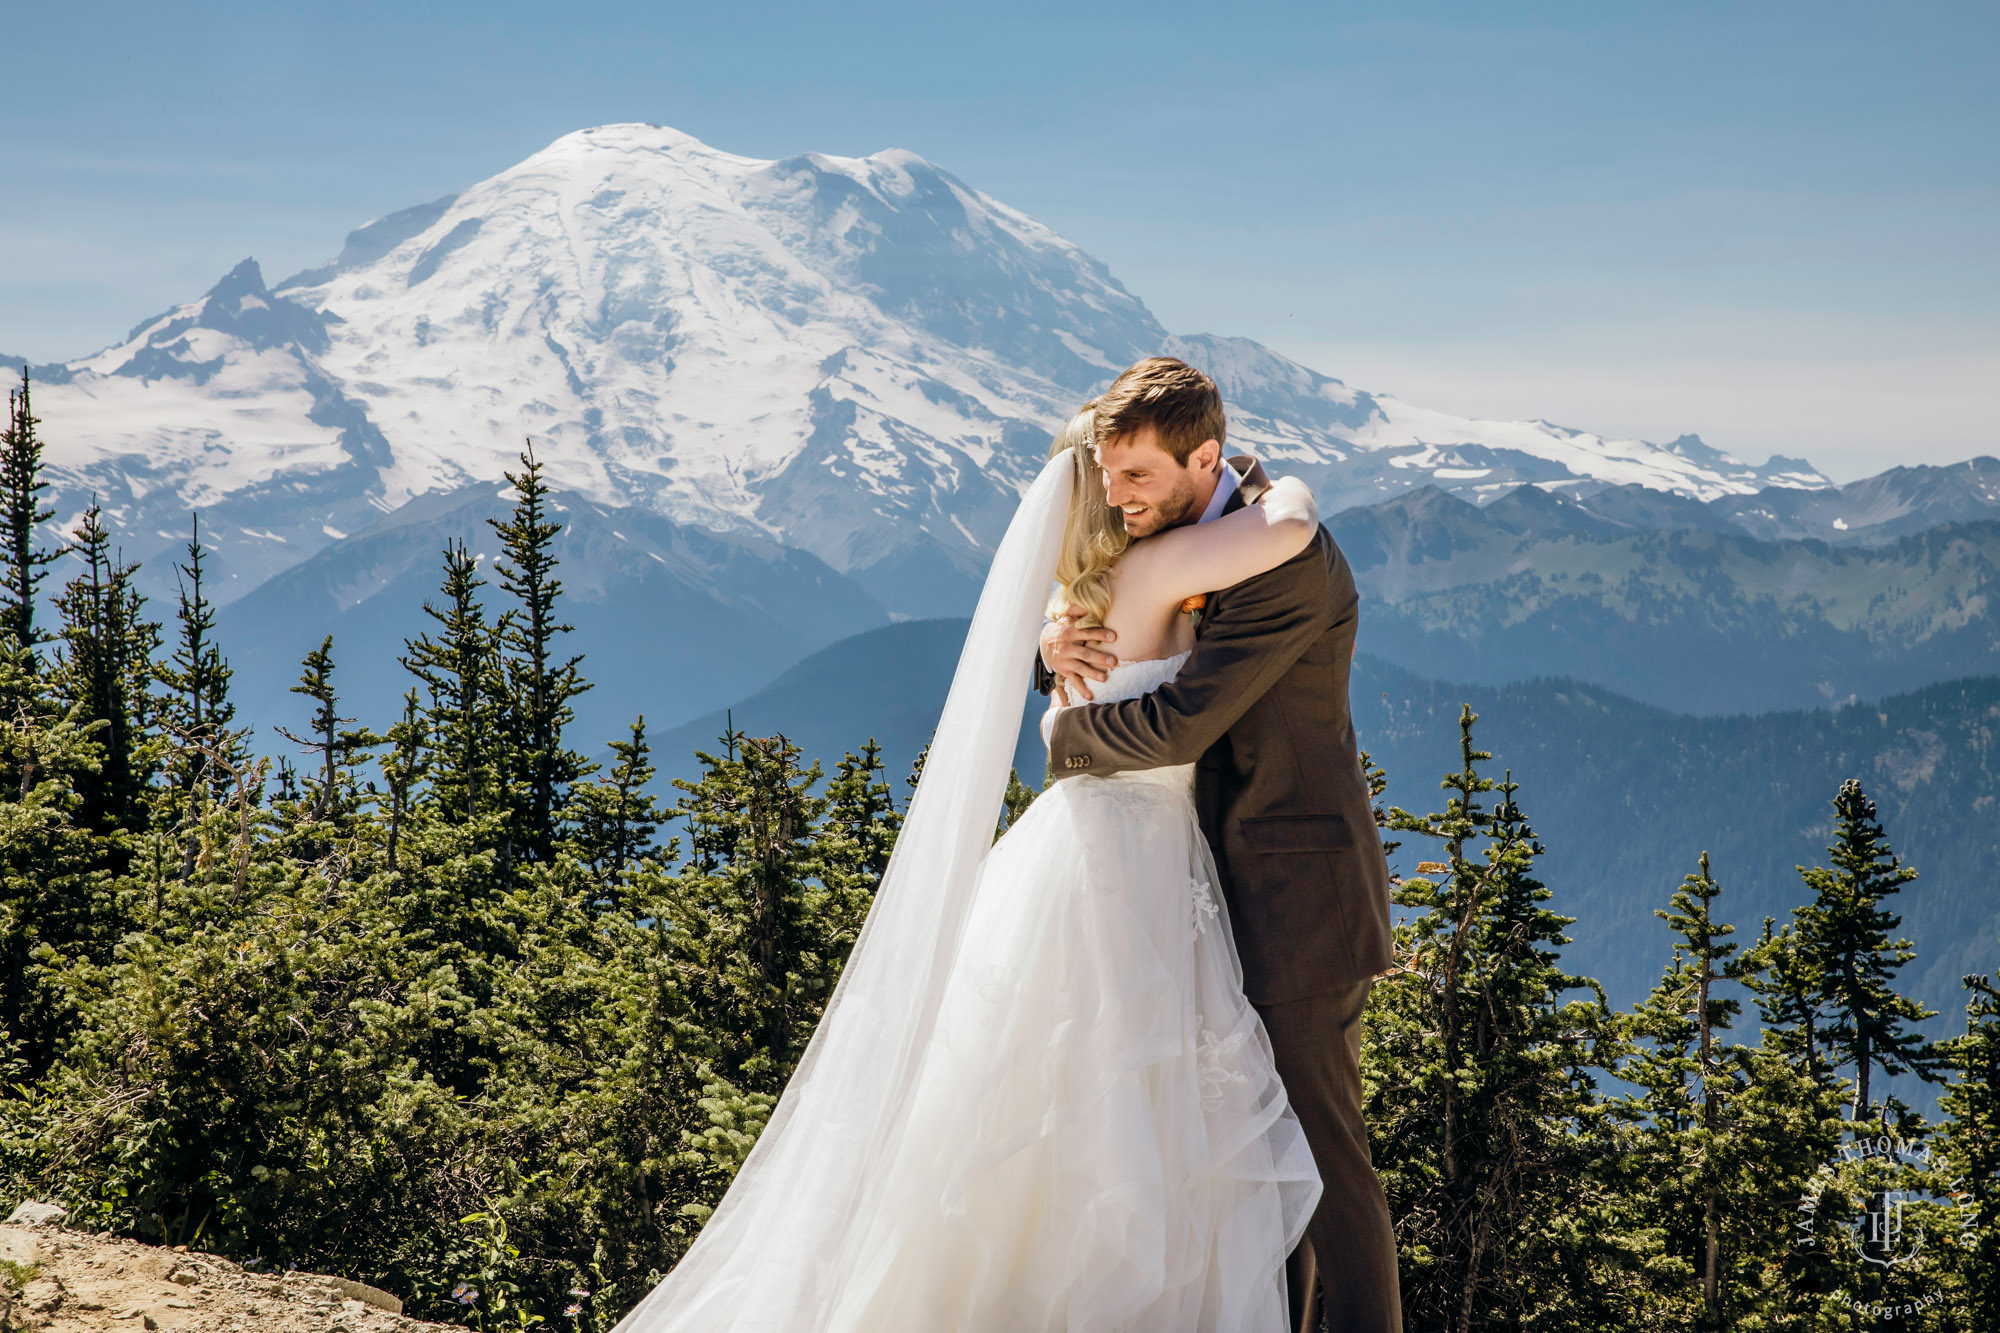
pixel 1153 491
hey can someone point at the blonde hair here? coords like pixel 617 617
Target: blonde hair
pixel 1094 537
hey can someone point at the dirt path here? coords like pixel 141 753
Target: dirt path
pixel 57 1281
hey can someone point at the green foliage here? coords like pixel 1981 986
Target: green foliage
pixel 21 512
pixel 1479 1072
pixel 1714 1146
pixel 1845 947
pixel 1967 1169
pixel 539 685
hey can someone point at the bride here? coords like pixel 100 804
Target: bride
pixel 1038 1099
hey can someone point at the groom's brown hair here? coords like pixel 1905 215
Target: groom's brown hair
pixel 1181 404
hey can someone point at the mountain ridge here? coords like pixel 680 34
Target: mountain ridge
pixel 1701 618
pixel 862 358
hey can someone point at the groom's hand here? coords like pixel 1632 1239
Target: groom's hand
pixel 1072 652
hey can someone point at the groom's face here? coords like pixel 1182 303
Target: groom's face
pixel 1155 493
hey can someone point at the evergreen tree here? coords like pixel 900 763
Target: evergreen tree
pixel 861 814
pixel 1845 936
pixel 613 821
pixel 196 712
pixel 57 899
pixel 403 769
pixel 1788 999
pixel 335 746
pixel 857 837
pixel 1720 1137
pixel 21 512
pixel 1968 1153
pixel 105 669
pixel 758 946
pixel 1479 1073
pixel 460 673
pixel 540 687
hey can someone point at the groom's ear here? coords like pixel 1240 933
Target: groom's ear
pixel 1206 457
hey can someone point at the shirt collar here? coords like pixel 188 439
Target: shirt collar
pixel 1225 486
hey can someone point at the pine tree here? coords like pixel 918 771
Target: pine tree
pixel 613 821
pixel 1479 1072
pixel 1711 962
pixel 857 838
pixel 105 668
pixel 21 512
pixel 460 673
pixel 1968 1152
pixel 335 746
pixel 403 769
pixel 537 705
pixel 861 813
pixel 760 952
pixel 1788 998
pixel 1720 1137
pixel 196 713
pixel 1845 936
pixel 58 901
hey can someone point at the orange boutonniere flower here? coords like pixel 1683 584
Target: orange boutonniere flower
pixel 1192 606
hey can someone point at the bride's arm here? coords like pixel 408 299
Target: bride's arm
pixel 1203 557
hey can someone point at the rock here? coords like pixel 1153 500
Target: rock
pixel 374 1296
pixel 44 1295
pixel 35 1214
pixel 149 1321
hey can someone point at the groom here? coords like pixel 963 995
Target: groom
pixel 1261 709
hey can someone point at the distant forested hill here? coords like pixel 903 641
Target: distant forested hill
pixel 1627 796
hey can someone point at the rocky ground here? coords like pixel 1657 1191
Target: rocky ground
pixel 57 1281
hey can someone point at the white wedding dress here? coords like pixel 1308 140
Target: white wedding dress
pixel 1070 1120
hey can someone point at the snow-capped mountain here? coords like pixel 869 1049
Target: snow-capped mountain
pixel 862 358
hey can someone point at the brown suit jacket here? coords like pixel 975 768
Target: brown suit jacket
pixel 1260 708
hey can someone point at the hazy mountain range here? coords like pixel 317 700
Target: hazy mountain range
pixel 1677 603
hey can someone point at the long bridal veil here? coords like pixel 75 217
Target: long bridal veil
pixel 771 1255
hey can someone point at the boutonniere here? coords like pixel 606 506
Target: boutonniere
pixel 1192 606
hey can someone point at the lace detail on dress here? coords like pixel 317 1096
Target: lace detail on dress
pixel 1204 909
pixel 1214 1058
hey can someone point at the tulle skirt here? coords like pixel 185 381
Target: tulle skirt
pixel 1098 1139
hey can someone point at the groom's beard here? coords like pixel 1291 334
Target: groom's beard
pixel 1176 510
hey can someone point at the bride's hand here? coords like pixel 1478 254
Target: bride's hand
pixel 1071 652
pixel 1290 498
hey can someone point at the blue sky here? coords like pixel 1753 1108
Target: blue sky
pixel 1774 224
